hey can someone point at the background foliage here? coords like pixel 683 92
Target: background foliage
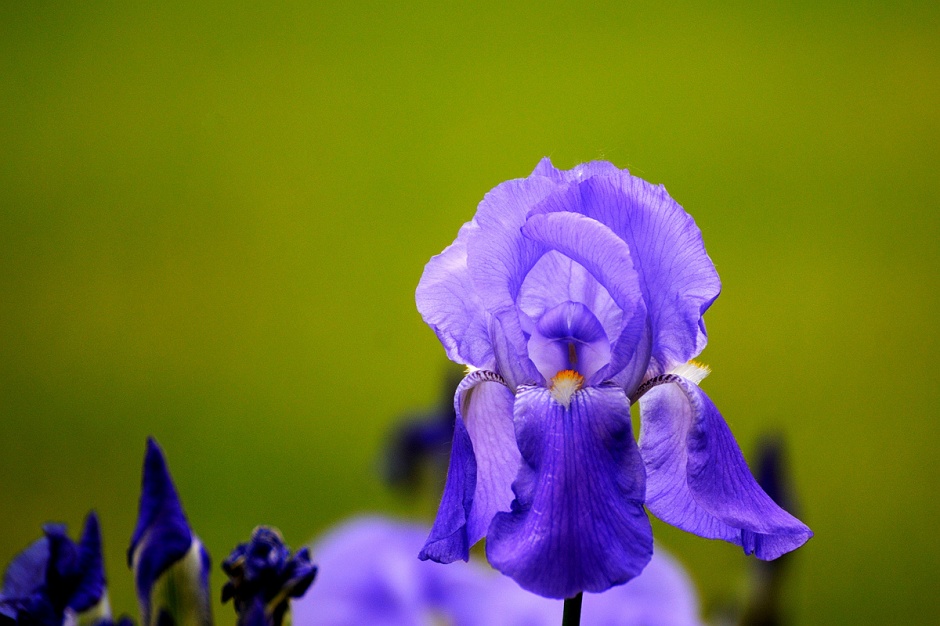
pixel 213 218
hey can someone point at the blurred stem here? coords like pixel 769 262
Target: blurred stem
pixel 572 614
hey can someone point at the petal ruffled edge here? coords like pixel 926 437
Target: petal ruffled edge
pixel 697 478
pixel 678 278
pixel 483 463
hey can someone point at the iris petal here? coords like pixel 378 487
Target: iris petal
pixel 27 571
pixel 484 461
pixel 91 586
pixel 569 337
pixel 499 257
pixel 678 279
pixel 578 522
pixel 171 568
pixel 556 279
pixel 698 480
pixel 162 536
pixel 374 579
pixel 578 172
pixel 594 246
pixel 449 305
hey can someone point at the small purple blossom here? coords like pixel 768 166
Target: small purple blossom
pixel 56 580
pixel 171 567
pixel 369 575
pixel 570 296
pixel 264 576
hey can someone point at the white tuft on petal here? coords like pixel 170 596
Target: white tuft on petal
pixel 693 371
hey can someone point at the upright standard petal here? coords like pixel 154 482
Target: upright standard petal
pixel 594 246
pixel 449 304
pixel 577 523
pixel 697 478
pixel 556 279
pixel 484 462
pixel 678 279
pixel 499 257
pixel 171 567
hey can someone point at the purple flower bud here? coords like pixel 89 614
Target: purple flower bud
pixel 263 577
pixel 171 567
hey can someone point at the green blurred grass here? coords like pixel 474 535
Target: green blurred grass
pixel 212 220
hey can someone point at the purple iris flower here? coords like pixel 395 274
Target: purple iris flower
pixel 171 567
pixel 264 576
pixel 369 575
pixel 570 296
pixel 56 581
pixel 662 595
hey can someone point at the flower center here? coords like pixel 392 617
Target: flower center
pixel 568 337
pixel 564 384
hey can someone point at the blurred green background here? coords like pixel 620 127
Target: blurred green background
pixel 213 219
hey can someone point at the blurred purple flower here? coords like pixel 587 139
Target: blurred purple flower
pixel 369 575
pixel 420 439
pixel 56 581
pixel 570 296
pixel 171 567
pixel 263 576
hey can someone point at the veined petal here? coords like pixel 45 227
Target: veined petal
pixel 697 478
pixel 556 279
pixel 578 522
pixel 449 304
pixel 484 461
pixel 678 279
pixel 605 255
pixel 569 337
pixel 499 258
